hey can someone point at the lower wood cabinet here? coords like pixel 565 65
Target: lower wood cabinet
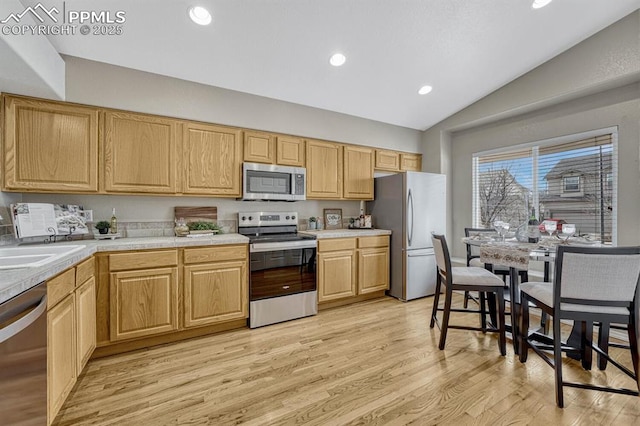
pixel 61 354
pixel 71 330
pixel 143 303
pixel 350 267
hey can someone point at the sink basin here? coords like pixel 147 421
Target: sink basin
pixel 30 257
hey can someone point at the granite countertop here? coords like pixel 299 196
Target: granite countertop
pixel 16 281
pixel 346 233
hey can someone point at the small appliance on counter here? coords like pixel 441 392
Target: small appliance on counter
pixel 282 283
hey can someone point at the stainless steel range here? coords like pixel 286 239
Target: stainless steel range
pixel 283 268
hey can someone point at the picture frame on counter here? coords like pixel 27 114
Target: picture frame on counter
pixel 332 218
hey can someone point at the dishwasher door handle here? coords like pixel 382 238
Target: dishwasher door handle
pixel 18 326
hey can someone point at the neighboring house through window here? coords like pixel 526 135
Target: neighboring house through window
pixel 571 178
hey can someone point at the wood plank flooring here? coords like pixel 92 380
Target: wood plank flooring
pixel 376 363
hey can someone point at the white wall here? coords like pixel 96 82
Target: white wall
pixel 591 86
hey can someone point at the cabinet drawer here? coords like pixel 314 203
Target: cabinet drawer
pixel 377 241
pixel 335 244
pixel 151 259
pixel 84 271
pixel 215 254
pixel 60 286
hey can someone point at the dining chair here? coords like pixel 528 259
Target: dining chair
pixel 591 284
pixel 461 278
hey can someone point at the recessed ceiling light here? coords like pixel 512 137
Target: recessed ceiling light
pixel 199 15
pixel 537 4
pixel 424 90
pixel 337 59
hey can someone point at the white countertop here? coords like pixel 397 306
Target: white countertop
pixel 15 281
pixel 346 233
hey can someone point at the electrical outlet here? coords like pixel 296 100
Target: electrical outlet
pixel 88 215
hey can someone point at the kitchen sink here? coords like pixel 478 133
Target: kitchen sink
pixel 30 257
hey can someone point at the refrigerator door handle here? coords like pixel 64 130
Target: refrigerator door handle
pixel 410 216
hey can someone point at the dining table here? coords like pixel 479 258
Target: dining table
pixel 516 255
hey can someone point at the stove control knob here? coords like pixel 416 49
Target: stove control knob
pixel 250 217
pixel 293 217
pixel 288 217
pixel 244 218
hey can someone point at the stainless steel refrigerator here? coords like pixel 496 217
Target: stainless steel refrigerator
pixel 412 205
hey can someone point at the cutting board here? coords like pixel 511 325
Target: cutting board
pixel 197 214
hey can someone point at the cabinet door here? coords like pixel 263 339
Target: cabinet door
pixel 212 157
pixel 290 151
pixel 140 153
pixel 411 162
pixel 143 303
pixel 387 160
pixel 85 322
pixel 50 146
pixel 61 353
pixel 259 147
pixel 373 270
pixel 358 173
pixel 336 275
pixel 324 170
pixel 215 292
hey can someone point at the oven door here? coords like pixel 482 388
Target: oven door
pixel 282 272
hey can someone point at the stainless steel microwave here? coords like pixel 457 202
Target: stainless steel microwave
pixel 272 182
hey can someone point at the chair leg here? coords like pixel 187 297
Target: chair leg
pixel 634 342
pixel 445 317
pixel 502 340
pixel 483 312
pixel 436 300
pixel 465 303
pixel 586 353
pixel 557 361
pixel 524 327
pixel 603 344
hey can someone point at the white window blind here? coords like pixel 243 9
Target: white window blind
pixel 572 181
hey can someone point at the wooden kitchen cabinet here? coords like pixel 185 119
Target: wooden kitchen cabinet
pixel 387 160
pixel 358 173
pixel 215 285
pixel 259 147
pixel 212 160
pixel 143 302
pixel 71 330
pixel 324 170
pixel 141 153
pixel 61 353
pixel 373 264
pixel 49 146
pixel 336 269
pixel 410 162
pixel 290 151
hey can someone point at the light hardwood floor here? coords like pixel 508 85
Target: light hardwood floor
pixel 376 362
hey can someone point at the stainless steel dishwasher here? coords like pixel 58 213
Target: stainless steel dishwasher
pixel 23 358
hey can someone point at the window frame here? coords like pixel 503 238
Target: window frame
pixel 565 182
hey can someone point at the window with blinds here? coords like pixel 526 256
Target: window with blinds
pixel 571 182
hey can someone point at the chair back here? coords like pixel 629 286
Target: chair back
pixel 443 261
pixel 474 251
pixel 605 276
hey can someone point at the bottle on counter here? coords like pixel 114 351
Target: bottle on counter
pixel 533 231
pixel 361 220
pixel 114 222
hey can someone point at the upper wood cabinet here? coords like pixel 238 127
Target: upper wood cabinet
pixel 290 151
pixel 358 172
pixel 259 147
pixel 212 160
pixel 140 153
pixel 324 169
pixel 49 146
pixel 410 162
pixel 387 160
